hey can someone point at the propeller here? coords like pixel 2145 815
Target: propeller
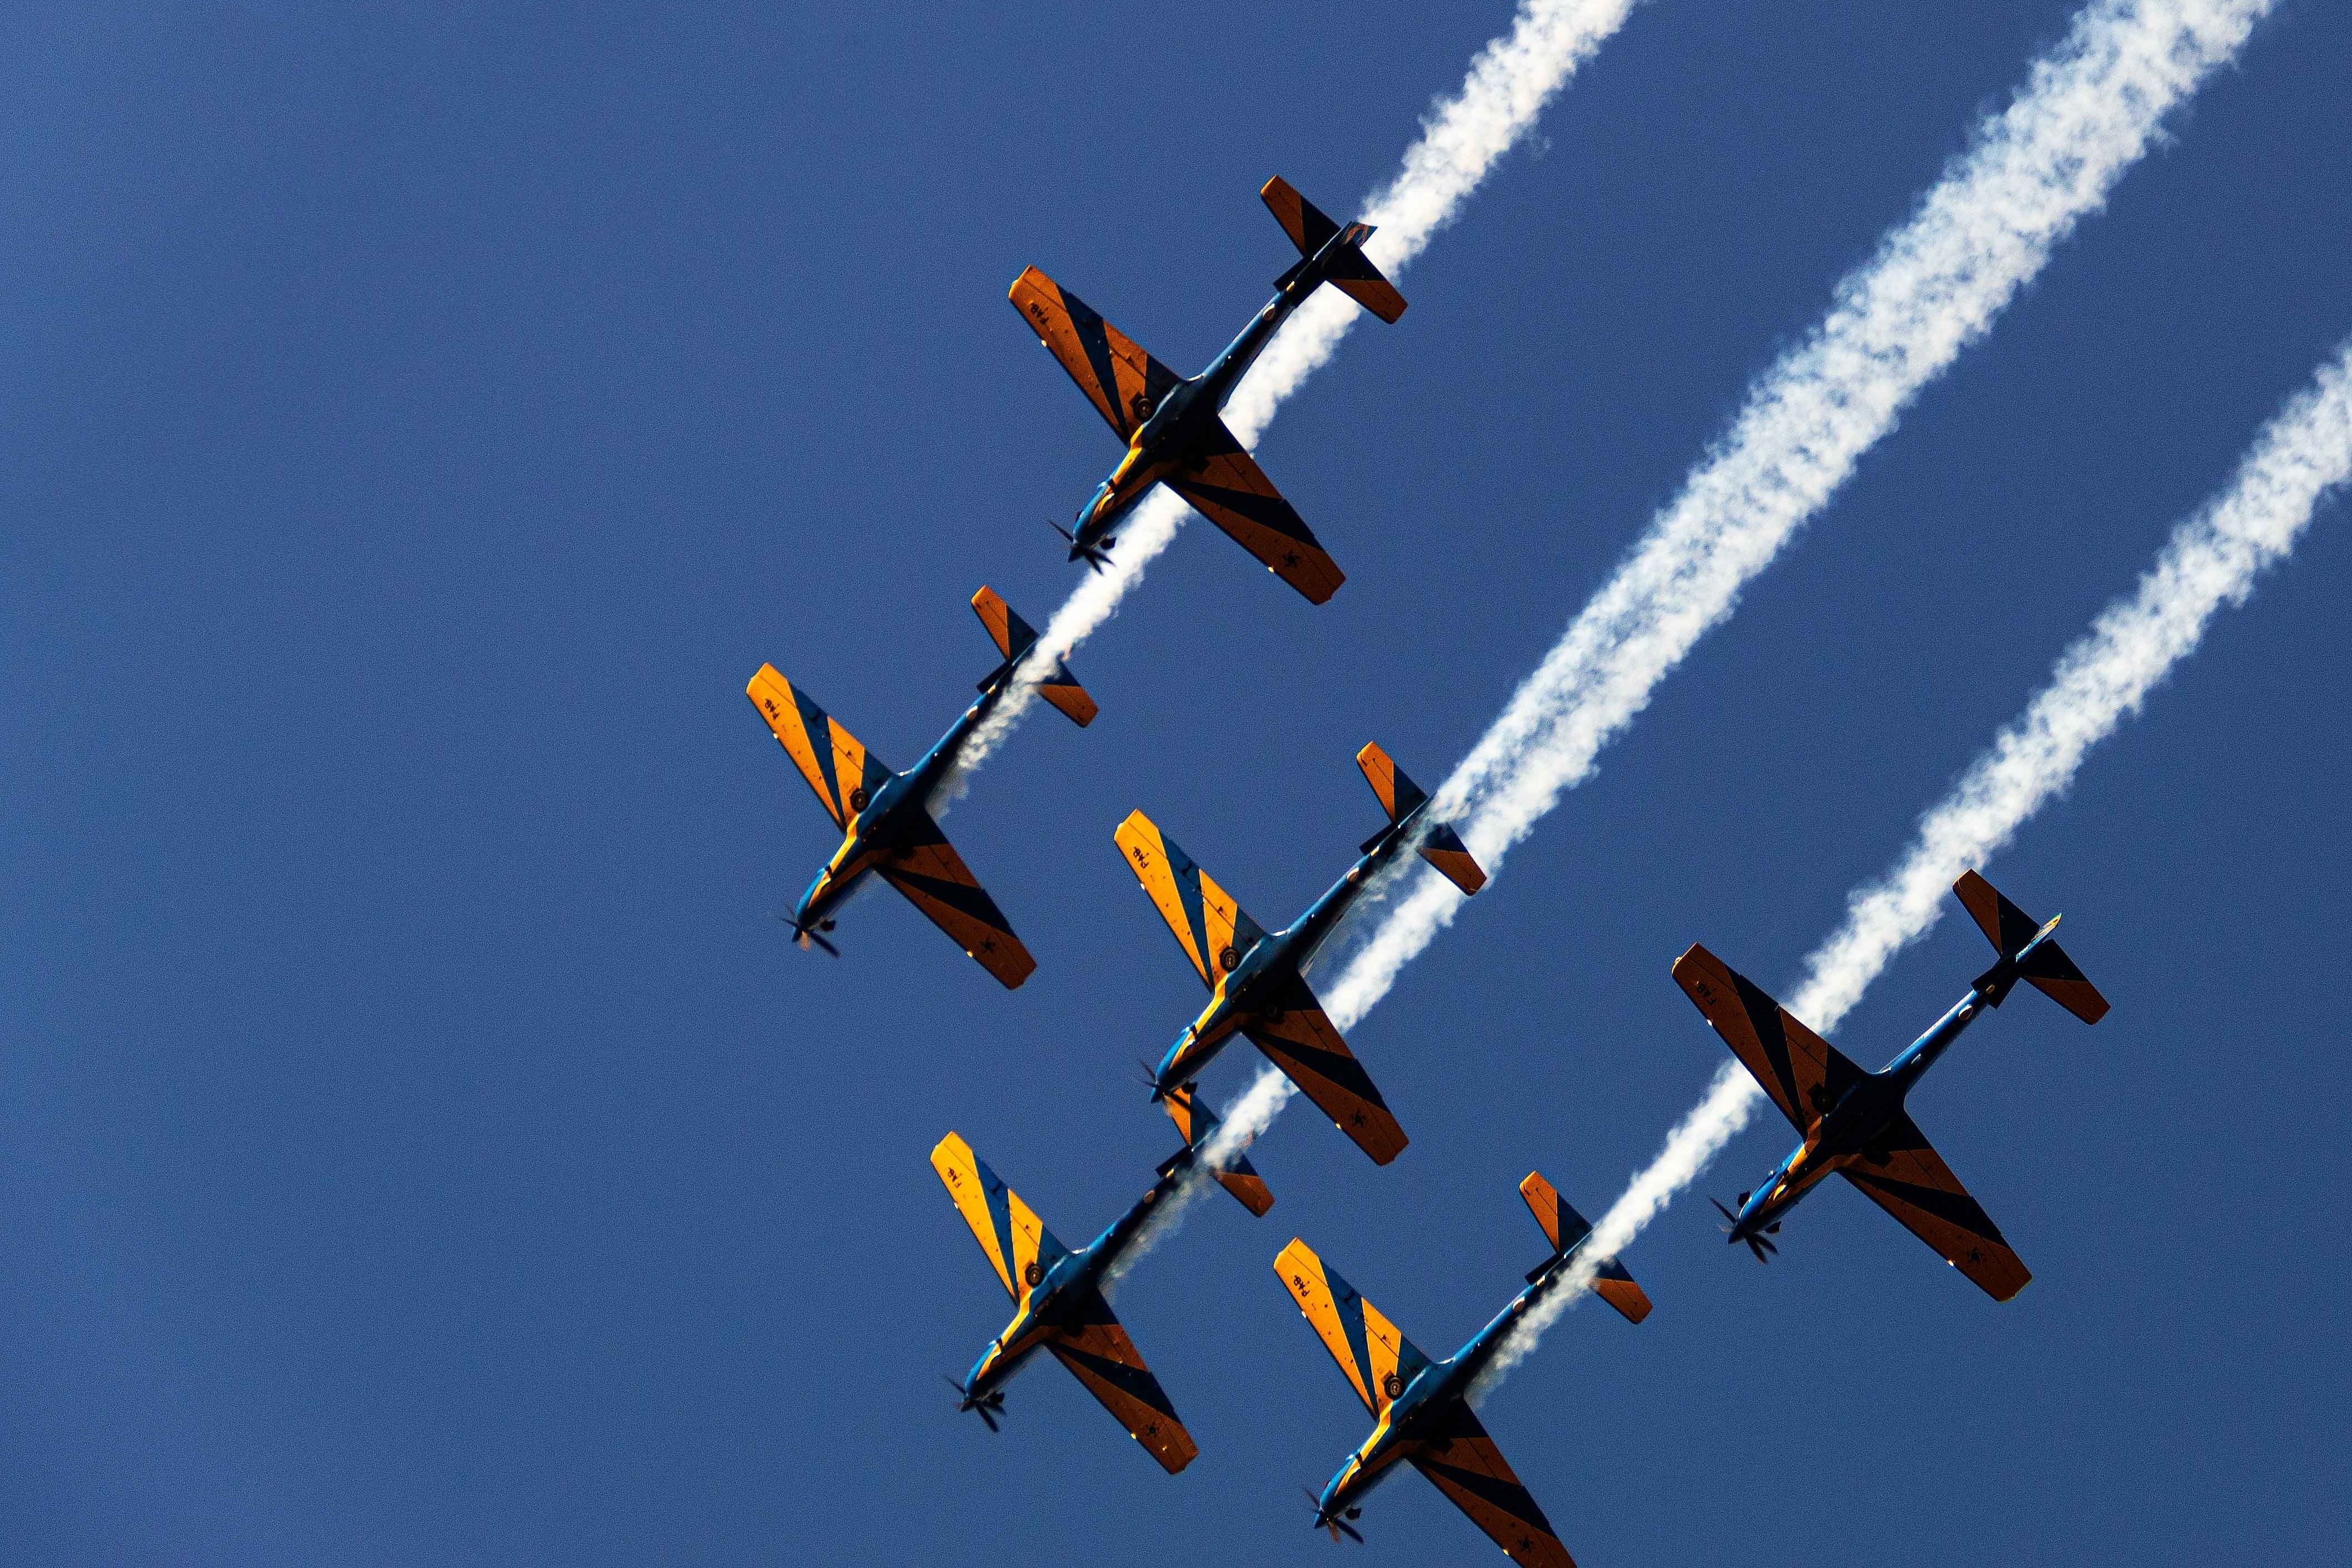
pixel 1094 556
pixel 1334 1522
pixel 1755 1244
pixel 805 933
pixel 988 1406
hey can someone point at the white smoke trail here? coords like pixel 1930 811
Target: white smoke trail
pixel 2089 109
pixel 1509 82
pixel 2300 458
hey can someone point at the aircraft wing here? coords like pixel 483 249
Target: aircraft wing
pixel 1377 1360
pixel 1016 1240
pixel 1302 1042
pixel 1232 491
pixel 935 880
pixel 1123 383
pixel 1465 1464
pixel 1098 1353
pixel 1209 925
pixel 837 765
pixel 1802 1072
pixel 1919 1189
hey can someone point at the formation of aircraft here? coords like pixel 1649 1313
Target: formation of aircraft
pixel 1058 1303
pixel 1171 425
pixel 1255 987
pixel 884 818
pixel 1852 1122
pixel 1420 1409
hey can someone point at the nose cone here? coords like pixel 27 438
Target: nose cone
pixel 805 911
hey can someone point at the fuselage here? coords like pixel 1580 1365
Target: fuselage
pixel 1064 1288
pixel 1260 980
pixel 1426 1400
pixel 880 824
pixel 1850 1129
pixel 1177 429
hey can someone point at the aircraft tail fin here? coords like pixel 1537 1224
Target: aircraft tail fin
pixel 1014 637
pixel 1336 254
pixel 2028 952
pixel 1198 1123
pixel 1566 1231
pixel 1401 797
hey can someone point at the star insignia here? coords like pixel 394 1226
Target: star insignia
pixel 1290 558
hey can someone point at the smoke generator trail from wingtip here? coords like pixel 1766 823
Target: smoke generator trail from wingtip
pixel 2089 112
pixel 2299 461
pixel 1508 84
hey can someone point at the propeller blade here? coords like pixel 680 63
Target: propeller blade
pixel 1347 1530
pixel 1730 1218
pixel 1091 554
pixel 987 1416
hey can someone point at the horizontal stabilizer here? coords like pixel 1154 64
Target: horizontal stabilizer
pixel 1400 797
pixel 1014 637
pixel 1198 1125
pixel 1566 1229
pixel 2012 931
pixel 1445 850
pixel 1346 267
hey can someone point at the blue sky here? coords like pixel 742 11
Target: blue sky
pixel 417 1142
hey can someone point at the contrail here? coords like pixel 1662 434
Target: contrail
pixel 2090 107
pixel 1509 82
pixel 2298 461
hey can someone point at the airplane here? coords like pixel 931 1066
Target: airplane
pixel 1853 1122
pixel 1170 425
pixel 886 818
pixel 1057 1294
pixel 1254 985
pixel 1421 1408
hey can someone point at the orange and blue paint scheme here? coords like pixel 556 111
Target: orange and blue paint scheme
pixel 1058 1303
pixel 1170 424
pixel 888 829
pixel 1853 1122
pixel 1256 987
pixel 1420 1409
